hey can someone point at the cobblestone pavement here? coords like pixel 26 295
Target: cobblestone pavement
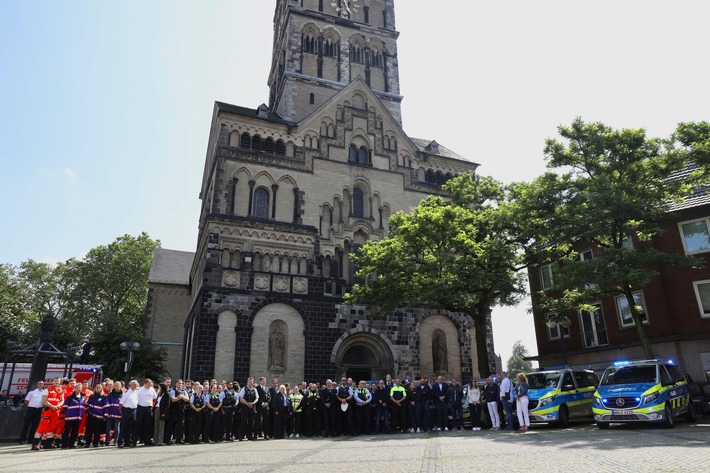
pixel 580 448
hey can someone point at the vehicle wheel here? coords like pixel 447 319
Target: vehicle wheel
pixel 563 421
pixel 668 422
pixel 603 425
pixel 690 416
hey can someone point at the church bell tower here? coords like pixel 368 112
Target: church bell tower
pixel 320 46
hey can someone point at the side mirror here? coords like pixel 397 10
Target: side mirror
pixel 568 387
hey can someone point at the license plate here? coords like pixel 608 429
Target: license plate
pixel 623 413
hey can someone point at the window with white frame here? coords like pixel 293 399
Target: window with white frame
pixel 586 255
pixel 558 330
pixel 702 293
pixel 695 235
pixel 593 327
pixel 547 277
pixel 622 307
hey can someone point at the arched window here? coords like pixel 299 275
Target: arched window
pixel 269 145
pixel 356 54
pixel 438 178
pixel 448 177
pixel 312 98
pixel 358 203
pixel 261 203
pixel 352 154
pixel 430 176
pixel 256 143
pixel 362 156
pixel 245 141
pixel 309 44
pixel 280 148
pixel 329 48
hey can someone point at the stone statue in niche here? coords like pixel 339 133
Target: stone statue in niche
pixel 277 346
pixel 438 347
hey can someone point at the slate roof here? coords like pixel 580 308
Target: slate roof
pixel 171 267
pixel 443 151
pixel 699 196
pixel 251 112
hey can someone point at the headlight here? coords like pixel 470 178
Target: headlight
pixel 650 398
pixel 546 401
pixel 598 401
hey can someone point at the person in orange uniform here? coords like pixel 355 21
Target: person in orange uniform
pixel 52 402
pixel 68 385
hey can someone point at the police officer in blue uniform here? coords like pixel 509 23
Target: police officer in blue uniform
pixel 229 401
pixel 345 414
pixel 248 397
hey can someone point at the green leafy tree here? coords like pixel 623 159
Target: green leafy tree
pixel 613 189
pixel 450 255
pixel 517 362
pixel 110 297
pixel 101 298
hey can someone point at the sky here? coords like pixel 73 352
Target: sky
pixel 105 107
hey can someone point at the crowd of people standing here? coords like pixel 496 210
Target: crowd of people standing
pixel 70 415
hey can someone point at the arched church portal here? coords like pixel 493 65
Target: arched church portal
pixel 364 356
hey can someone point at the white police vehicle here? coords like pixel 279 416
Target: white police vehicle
pixel 642 391
pixel 560 394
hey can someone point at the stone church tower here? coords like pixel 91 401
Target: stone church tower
pixel 289 191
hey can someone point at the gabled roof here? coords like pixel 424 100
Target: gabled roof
pixel 699 195
pixel 251 113
pixel 424 146
pixel 171 267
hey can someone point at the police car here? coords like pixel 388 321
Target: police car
pixel 642 391
pixel 558 395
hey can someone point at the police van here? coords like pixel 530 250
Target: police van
pixel 557 395
pixel 642 391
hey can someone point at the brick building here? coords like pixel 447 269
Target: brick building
pixel 676 306
pixel 289 190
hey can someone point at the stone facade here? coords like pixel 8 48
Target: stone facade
pixel 289 190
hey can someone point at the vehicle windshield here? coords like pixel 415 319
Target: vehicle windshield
pixel 543 380
pixel 629 375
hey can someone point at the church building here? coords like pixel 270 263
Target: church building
pixel 289 191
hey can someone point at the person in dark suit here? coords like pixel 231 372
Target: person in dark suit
pixel 261 420
pixel 440 392
pixel 279 407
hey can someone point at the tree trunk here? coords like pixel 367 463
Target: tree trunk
pixel 480 316
pixel 640 327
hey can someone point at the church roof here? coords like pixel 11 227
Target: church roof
pixel 251 112
pixel 437 149
pixel 171 267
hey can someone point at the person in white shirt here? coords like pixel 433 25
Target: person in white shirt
pixel 143 430
pixel 473 399
pixel 129 404
pixel 33 402
pixel 506 397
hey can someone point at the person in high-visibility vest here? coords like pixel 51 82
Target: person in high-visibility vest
pixel 363 398
pixel 398 397
pixel 295 419
pixel 52 402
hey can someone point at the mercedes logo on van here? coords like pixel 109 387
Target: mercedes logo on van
pixel 620 402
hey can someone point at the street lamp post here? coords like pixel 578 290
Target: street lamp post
pixel 130 347
pixel 561 323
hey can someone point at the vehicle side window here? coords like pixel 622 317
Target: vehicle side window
pixel 567 380
pixel 665 377
pixel 592 379
pixel 581 379
pixel 675 373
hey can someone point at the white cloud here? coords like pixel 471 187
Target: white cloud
pixel 70 174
